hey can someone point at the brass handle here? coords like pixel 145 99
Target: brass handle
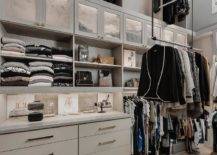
pixel 39 138
pixel 107 128
pixel 107 143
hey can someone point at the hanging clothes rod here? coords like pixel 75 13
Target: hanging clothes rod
pixel 160 40
pixel 173 43
pixel 162 6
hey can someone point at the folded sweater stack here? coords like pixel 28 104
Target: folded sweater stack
pixel 41 73
pixel 62 54
pixel 63 75
pixel 14 74
pixel 13 46
pixel 38 51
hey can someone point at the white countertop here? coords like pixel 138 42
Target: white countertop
pixel 21 124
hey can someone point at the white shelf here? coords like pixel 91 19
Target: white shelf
pixel 31 58
pixel 95 65
pixel 132 69
pixel 41 89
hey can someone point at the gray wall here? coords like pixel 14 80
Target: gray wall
pixel 203 17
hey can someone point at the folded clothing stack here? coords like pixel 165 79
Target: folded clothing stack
pixel 41 73
pixel 39 51
pixel 63 75
pixel 13 46
pixel 14 74
pixel 62 54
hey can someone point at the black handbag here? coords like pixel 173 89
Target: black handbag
pixel 83 78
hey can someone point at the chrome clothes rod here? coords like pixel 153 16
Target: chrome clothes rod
pixel 162 6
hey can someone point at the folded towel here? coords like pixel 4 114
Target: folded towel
pixel 62 58
pixel 7 40
pixel 40 81
pixel 15 53
pixel 41 68
pixel 38 77
pixel 62 51
pixel 40 63
pixel 15 78
pixel 14 70
pixel 15 83
pixel 40 84
pixel 15 45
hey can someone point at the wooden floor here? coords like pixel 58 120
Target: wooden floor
pixel 202 151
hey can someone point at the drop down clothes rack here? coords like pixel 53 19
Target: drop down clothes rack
pixel 168 42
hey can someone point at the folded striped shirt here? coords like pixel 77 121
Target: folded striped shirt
pixel 6 40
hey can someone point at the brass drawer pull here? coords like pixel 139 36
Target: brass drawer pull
pixel 107 143
pixel 40 138
pixel 107 128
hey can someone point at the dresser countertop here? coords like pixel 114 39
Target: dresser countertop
pixel 15 125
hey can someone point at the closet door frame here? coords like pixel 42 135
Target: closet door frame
pixel 70 29
pixel 38 18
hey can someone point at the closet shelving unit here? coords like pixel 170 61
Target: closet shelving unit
pixel 99 15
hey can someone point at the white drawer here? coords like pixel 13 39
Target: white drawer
pixel 100 143
pixel 38 137
pixel 123 150
pixel 99 128
pixel 61 148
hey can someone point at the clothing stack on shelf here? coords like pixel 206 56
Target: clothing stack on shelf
pixel 63 75
pixel 12 46
pixel 62 54
pixel 41 73
pixel 39 51
pixel 14 74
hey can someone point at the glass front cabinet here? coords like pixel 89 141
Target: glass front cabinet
pixel 22 11
pixel 51 14
pixel 99 22
pixel 168 35
pixel 181 38
pixel 59 14
pixel 112 24
pixel 133 30
pixel 87 16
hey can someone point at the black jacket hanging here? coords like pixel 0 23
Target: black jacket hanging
pixel 160 75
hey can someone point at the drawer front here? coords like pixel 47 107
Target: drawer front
pixel 38 137
pixel 66 147
pixel 99 128
pixel 124 150
pixel 100 143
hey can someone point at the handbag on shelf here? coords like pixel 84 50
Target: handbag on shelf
pixel 105 78
pixel 83 78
